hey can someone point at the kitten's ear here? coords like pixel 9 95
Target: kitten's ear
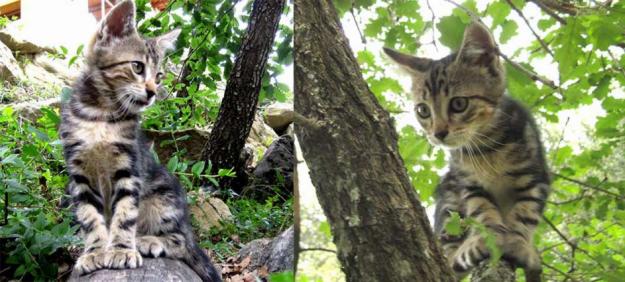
pixel 118 23
pixel 167 41
pixel 407 62
pixel 478 46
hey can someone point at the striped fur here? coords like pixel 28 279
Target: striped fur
pixel 127 205
pixel 497 173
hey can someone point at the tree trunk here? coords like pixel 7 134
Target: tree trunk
pixel 158 269
pixel 238 106
pixel 379 226
pixel 502 272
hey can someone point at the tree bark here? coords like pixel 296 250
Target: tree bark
pixel 238 106
pixel 350 143
pixel 502 272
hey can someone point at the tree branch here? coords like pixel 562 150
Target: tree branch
pixel 433 24
pixel 558 6
pixel 584 184
pixel 532 75
pixel 549 12
pixel 317 249
pixel 540 40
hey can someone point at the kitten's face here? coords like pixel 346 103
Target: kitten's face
pixel 456 97
pixel 123 64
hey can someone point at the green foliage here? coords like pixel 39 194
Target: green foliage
pixel 211 33
pixel 251 220
pixel 33 178
pixel 584 233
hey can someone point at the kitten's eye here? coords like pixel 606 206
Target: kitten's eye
pixel 458 104
pixel 423 111
pixel 159 77
pixel 138 67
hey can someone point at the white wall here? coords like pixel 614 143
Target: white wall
pixel 57 22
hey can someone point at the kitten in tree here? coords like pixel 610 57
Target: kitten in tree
pixel 127 205
pixel 497 173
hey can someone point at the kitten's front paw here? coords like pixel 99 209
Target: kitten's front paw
pixel 89 262
pixel 150 246
pixel 122 258
pixel 469 254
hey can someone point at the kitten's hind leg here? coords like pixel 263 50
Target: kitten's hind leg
pixel 165 230
pixel 522 221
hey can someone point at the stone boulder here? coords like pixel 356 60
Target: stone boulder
pixel 210 212
pixel 156 269
pixel 32 110
pixel 276 254
pixel 278 116
pixel 276 167
pixel 12 37
pixel 9 68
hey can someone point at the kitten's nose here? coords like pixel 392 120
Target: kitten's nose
pixel 150 93
pixel 441 134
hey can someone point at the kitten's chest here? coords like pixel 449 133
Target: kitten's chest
pixel 99 132
pixel 100 154
pixel 491 173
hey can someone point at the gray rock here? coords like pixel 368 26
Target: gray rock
pixel 11 37
pixel 158 269
pixel 278 116
pixel 279 159
pixel 209 212
pixel 9 69
pixel 276 254
pixel 32 110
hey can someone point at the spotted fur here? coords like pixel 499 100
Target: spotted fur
pixel 497 173
pixel 127 205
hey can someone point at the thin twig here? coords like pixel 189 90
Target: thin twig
pixel 620 69
pixel 532 75
pixel 568 241
pixel 558 6
pixel 561 272
pixel 549 12
pixel 362 37
pixel 557 145
pixel 540 40
pixel 433 24
pixel 466 10
pixel 594 187
pixel 317 249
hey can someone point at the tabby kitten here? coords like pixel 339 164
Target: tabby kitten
pixel 497 173
pixel 127 205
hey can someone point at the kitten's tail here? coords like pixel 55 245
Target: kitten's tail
pixel 201 264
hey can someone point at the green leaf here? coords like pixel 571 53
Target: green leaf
pixel 499 11
pixel 451 29
pixel 282 277
pixel 454 224
pixel 509 29
pixel 198 168
pixel 172 164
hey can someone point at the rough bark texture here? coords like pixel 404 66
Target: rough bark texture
pixel 379 226
pixel 502 272
pixel 238 106
pixel 158 269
